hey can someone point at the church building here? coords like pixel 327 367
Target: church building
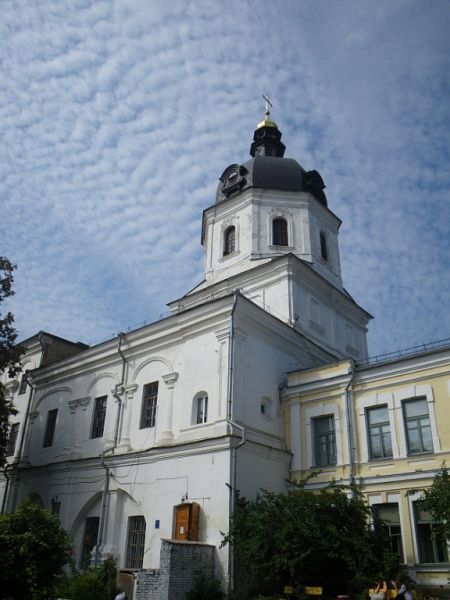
pixel 139 443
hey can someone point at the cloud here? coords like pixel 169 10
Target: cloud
pixel 117 118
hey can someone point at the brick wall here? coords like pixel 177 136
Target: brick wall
pixel 179 564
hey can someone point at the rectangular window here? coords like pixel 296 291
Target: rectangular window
pixel 23 384
pixel 98 423
pixel 417 425
pixel 324 441
pixel 89 541
pixel 149 404
pixel 432 545
pixel 379 432
pixel 50 428
pixel 135 543
pixel 390 517
pixel 202 409
pixel 12 439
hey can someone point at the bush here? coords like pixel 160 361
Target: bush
pixel 33 551
pixel 206 588
pixel 97 583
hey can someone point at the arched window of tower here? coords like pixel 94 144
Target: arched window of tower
pixel 229 245
pixel 279 232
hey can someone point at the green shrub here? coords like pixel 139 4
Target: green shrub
pixel 206 588
pixel 97 583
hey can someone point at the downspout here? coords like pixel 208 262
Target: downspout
pixel 118 387
pixel 351 462
pixel 25 423
pixel 105 493
pixel 230 411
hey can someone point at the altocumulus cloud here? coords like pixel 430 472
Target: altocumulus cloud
pixel 117 118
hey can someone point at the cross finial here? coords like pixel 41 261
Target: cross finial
pixel 268 103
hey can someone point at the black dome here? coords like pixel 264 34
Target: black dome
pixel 270 172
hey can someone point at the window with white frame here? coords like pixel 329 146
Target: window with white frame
pixel 389 516
pixel 379 432
pixel 135 542
pixel 324 441
pixel 431 544
pixel 417 426
pixel 201 409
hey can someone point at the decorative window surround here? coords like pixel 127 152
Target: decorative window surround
pixel 410 393
pixel 321 411
pixel 371 402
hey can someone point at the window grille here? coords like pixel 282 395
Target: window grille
pixel 98 423
pixel 279 232
pixel 135 542
pixel 229 241
pixel 149 404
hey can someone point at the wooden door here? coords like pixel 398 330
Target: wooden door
pixel 182 522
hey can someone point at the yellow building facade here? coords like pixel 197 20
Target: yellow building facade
pixel 386 428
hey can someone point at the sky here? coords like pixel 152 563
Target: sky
pixel 117 117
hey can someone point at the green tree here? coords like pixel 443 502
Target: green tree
pixel 9 353
pixel 33 551
pixel 324 538
pixel 436 500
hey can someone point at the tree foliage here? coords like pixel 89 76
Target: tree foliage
pixel 97 583
pixel 33 550
pixel 9 353
pixel 436 500
pixel 324 538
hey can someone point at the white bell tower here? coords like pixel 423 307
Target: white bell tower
pixel 271 234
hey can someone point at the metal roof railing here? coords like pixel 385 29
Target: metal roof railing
pixel 419 349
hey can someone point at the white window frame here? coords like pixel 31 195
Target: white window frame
pixel 412 498
pixel 323 410
pixel 227 223
pixel 287 216
pixel 414 392
pixel 374 401
pixel 201 398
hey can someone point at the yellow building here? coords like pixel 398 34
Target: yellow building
pixel 385 427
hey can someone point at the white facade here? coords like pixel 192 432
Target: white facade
pixel 213 370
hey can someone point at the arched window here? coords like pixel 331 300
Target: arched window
pixel 229 241
pixel 323 246
pixel 200 408
pixel 279 232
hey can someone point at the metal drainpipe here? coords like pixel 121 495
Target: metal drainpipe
pixel 103 464
pixel 351 475
pixel 119 385
pixel 25 423
pixel 232 487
